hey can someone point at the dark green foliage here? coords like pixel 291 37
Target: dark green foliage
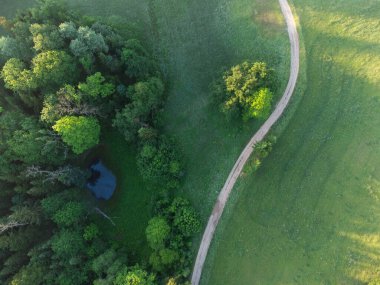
pixel 70 214
pixel 112 39
pixel 261 150
pixel 67 76
pixel 106 266
pixel 170 250
pixel 9 123
pixel 96 86
pixel 51 11
pixel 54 68
pixel 14 261
pixel 163 259
pixel 136 61
pixel 159 162
pixel 21 33
pixel 146 100
pixel 11 48
pixel 112 63
pixel 91 232
pixel 31 274
pixel 31 145
pixel 67 244
pixel 185 219
pixel 157 232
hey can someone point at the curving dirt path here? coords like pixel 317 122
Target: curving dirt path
pixel 257 137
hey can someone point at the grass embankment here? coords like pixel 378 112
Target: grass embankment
pixel 311 214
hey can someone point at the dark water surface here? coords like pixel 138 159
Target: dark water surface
pixel 102 182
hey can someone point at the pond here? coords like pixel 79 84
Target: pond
pixel 102 182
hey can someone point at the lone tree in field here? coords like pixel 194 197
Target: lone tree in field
pixel 81 133
pixel 245 91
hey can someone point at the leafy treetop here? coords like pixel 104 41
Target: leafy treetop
pixel 81 133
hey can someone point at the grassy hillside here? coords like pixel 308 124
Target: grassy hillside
pixel 311 214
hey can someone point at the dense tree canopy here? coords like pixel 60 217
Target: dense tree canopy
pixel 63 78
pixel 54 68
pixel 157 232
pixel 95 86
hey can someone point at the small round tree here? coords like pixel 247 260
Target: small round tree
pixel 157 232
pixel 80 133
pixel 245 91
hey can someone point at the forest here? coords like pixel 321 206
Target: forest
pixel 64 79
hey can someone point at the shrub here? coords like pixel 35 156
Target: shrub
pixel 157 232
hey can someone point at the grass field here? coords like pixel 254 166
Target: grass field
pixel 197 39
pixel 130 207
pixel 311 214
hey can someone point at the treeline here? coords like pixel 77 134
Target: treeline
pixel 64 78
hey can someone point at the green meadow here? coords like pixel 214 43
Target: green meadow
pixel 310 214
pixel 193 41
pixel 197 39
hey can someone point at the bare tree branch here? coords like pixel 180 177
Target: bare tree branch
pixel 10 225
pixel 104 215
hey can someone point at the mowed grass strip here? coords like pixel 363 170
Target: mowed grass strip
pixel 311 214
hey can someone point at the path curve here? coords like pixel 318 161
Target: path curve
pixel 257 137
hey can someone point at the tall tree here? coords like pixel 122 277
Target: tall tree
pixel 54 68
